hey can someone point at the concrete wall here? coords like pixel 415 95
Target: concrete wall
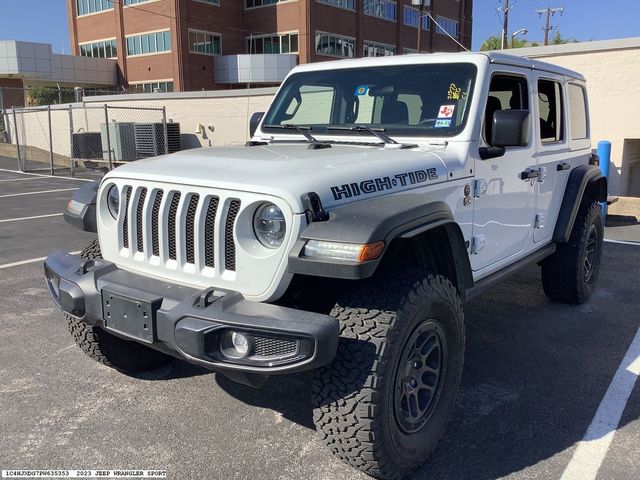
pixel 612 70
pixel 228 112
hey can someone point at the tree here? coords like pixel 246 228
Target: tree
pixel 495 43
pixel 492 43
pixel 558 39
pixel 41 96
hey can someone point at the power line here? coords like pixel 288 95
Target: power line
pixel 548 12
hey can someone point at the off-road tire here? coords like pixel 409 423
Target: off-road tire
pixel 354 397
pixel 125 356
pixel 564 274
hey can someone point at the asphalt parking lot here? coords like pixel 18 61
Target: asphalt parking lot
pixel 535 376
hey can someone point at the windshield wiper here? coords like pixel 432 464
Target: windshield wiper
pixel 377 132
pixel 304 131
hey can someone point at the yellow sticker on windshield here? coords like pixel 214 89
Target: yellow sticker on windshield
pixel 455 93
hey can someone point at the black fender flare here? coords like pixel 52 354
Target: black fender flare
pixel 385 219
pixel 81 210
pixel 584 180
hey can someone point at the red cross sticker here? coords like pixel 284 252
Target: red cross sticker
pixel 446 111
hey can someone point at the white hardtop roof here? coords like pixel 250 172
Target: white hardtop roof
pixel 426 58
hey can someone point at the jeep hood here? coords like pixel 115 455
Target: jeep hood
pixel 338 174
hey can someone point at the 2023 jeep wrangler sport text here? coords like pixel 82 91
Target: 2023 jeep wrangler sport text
pixel 375 197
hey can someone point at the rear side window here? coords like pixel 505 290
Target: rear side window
pixel 577 112
pixel 551 109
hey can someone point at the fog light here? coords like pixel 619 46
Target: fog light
pixel 235 345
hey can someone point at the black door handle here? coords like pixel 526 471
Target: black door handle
pixel 563 166
pixel 529 173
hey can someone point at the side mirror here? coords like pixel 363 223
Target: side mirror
pixel 254 122
pixel 511 128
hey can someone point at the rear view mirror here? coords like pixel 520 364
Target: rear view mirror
pixel 511 128
pixel 254 122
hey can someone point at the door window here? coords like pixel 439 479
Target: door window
pixel 507 92
pixel 577 112
pixel 551 108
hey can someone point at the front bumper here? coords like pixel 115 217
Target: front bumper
pixel 189 323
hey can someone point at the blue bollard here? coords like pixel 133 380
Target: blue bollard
pixel 604 152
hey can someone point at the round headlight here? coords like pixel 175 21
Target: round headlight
pixel 113 201
pixel 269 225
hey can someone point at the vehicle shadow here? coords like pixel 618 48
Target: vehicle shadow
pixel 535 373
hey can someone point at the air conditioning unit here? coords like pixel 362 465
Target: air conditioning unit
pixel 86 145
pixel 121 140
pixel 150 139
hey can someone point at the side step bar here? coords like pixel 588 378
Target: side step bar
pixel 486 283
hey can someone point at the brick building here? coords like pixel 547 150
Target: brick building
pixel 186 45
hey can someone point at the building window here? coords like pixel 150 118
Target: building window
pixel 346 4
pixel 446 25
pixel 372 49
pixel 278 43
pixel 206 43
pixel 102 49
pixel 381 8
pixel 335 45
pixel 133 2
pixel 85 7
pixel 262 3
pixel 149 43
pixel 151 87
pixel 212 2
pixel 412 18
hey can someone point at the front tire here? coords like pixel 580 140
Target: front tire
pixel 112 351
pixel 384 403
pixel 570 274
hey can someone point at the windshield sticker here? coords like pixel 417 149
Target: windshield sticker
pixel 383 183
pixel 446 111
pixel 455 93
pixel 362 90
pixel 443 123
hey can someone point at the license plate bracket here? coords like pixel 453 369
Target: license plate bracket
pixel 133 315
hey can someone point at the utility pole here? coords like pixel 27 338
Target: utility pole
pixel 505 26
pixel 549 12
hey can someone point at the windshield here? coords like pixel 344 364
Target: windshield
pixel 429 100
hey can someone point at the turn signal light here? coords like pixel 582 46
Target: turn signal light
pixel 343 251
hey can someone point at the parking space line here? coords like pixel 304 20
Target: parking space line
pixel 30 218
pixel 37 193
pixel 26 262
pixel 621 242
pixel 19 179
pixel 593 448
pixel 43 175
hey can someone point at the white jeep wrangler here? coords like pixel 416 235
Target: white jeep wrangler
pixel 375 197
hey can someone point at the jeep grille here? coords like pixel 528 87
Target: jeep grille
pixel 173 226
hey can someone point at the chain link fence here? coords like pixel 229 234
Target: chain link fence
pixel 39 96
pixel 84 139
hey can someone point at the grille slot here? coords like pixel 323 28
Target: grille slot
pixel 189 229
pixel 209 233
pixel 139 220
pixel 229 244
pixel 274 347
pixel 125 226
pixel 171 234
pixel 155 220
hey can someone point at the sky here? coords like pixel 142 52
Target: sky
pixel 46 20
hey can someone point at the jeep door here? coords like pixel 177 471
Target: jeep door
pixel 505 203
pixel 561 145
